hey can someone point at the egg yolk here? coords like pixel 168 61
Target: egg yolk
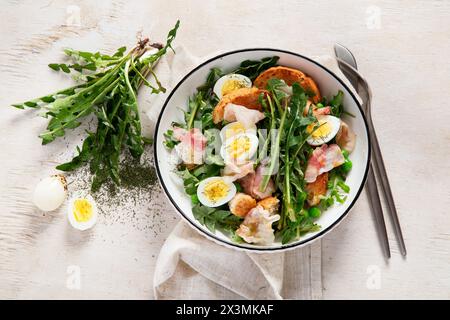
pixel 231 85
pixel 234 129
pixel 322 131
pixel 82 210
pixel 216 190
pixel 239 147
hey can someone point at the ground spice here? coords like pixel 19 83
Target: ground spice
pixel 138 200
pixel 133 174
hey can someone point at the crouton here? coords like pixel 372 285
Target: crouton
pixel 316 189
pixel 241 204
pixel 290 76
pixel 270 204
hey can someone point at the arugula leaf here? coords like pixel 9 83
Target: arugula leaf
pixel 214 218
pixel 336 104
pixel 207 88
pixel 170 142
pixel 252 68
pixel 190 181
pixel 294 229
pixel 337 189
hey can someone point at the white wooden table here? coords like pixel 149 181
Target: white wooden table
pixel 401 47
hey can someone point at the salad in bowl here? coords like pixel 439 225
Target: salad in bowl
pixel 261 154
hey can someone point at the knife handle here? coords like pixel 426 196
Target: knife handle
pixel 377 210
pixel 386 188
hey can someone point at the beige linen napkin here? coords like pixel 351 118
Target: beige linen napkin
pixel 190 266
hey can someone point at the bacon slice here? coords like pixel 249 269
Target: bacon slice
pixel 234 172
pixel 251 182
pixel 323 159
pixel 346 138
pixel 192 145
pixel 248 117
pixel 257 226
pixel 322 111
pixel 247 97
pixel 316 111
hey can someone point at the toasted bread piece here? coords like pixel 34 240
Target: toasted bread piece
pixel 241 204
pixel 311 86
pixel 316 189
pixel 270 204
pixel 247 97
pixel 290 76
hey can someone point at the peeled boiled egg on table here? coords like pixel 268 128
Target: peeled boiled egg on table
pixel 229 83
pixel 239 149
pixel 234 128
pixel 50 192
pixel 82 212
pixel 215 191
pixel 323 130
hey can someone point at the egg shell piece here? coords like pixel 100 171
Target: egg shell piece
pixel 50 193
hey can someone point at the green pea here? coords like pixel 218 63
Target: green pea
pixel 347 166
pixel 314 212
pixel 319 105
pixel 194 199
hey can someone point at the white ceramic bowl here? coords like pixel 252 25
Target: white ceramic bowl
pixel 329 85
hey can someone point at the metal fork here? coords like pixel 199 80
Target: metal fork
pixel 377 156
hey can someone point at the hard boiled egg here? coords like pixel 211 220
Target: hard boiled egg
pixel 323 131
pixel 240 148
pixel 230 82
pixel 50 192
pixel 215 191
pixel 82 212
pixel 234 128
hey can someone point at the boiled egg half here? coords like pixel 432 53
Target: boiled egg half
pixel 215 191
pixel 234 128
pixel 229 83
pixel 239 149
pixel 82 212
pixel 323 130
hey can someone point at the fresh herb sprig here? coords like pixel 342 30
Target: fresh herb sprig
pixel 109 91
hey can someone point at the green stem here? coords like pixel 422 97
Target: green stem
pixel 192 117
pixel 274 154
pixel 63 92
pixel 272 127
pixel 130 88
